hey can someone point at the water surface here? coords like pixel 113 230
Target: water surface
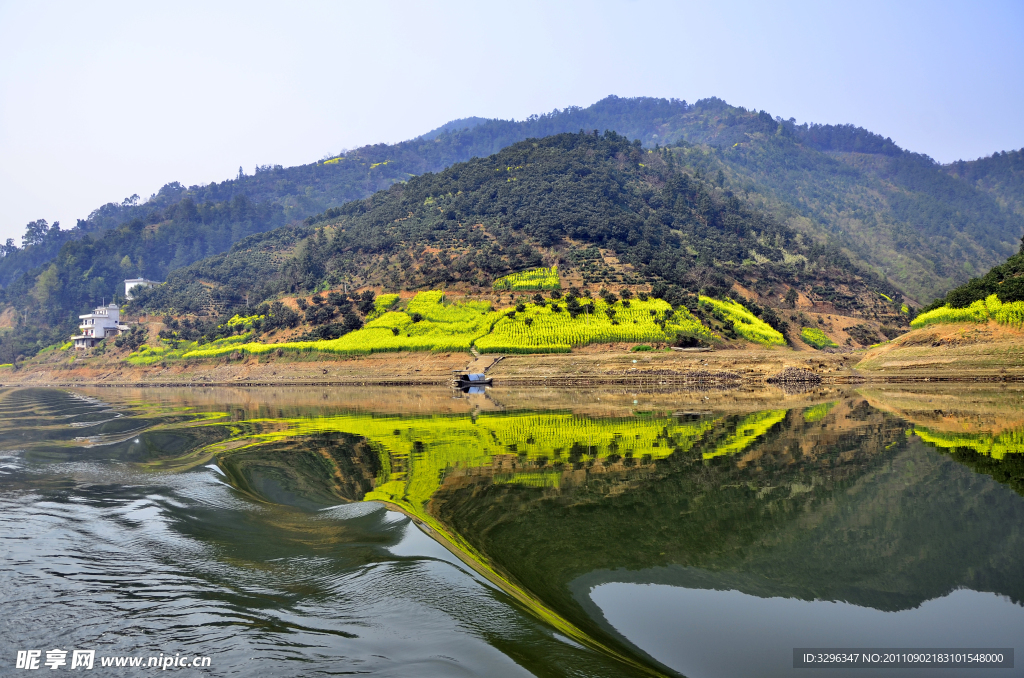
pixel 554 533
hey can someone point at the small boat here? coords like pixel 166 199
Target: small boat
pixel 476 379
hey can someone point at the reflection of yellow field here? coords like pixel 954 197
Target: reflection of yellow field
pixel 417 453
pixel 535 449
pixel 986 419
pixel 997 446
pixel 552 479
pixel 747 431
pixel 818 412
pixel 531 449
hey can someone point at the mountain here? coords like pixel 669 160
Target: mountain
pixel 298 192
pixel 602 208
pixel 453 126
pixel 1006 281
pixel 1001 174
pixel 924 227
pixel 897 212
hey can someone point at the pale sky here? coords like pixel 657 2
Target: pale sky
pixel 101 100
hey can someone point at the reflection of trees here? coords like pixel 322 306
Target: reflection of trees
pixel 855 514
pixel 1000 456
pixel 834 502
pixel 981 427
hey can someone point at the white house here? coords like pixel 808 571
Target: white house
pixel 103 322
pixel 137 282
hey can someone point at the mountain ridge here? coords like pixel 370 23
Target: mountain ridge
pixel 835 184
pixel 308 189
pixel 602 208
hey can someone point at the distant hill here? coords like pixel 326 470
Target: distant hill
pixel 1001 174
pixel 453 126
pixel 900 214
pixel 925 227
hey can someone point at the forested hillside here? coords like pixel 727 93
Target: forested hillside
pixel 925 227
pixel 897 210
pixel 898 213
pixel 1001 174
pixel 298 192
pixel 575 200
pixel 1006 281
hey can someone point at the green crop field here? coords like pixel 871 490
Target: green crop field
pixel 175 350
pixel 534 279
pixel 542 329
pixel 813 336
pixel 382 304
pixel 430 323
pixel 246 321
pixel 991 308
pixel 743 322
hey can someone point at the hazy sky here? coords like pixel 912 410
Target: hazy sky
pixel 100 100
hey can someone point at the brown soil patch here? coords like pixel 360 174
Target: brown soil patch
pixel 951 351
pixel 8 318
pixel 584 367
pixel 969 408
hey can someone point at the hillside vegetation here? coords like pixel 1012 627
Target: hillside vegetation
pixel 1001 174
pixel 553 201
pixel 922 226
pixel 430 323
pixel 998 296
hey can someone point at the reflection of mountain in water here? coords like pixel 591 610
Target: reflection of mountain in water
pixel 828 503
pixel 915 528
pixel 833 502
pixel 868 520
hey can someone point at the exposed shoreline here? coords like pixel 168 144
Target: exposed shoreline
pixel 911 358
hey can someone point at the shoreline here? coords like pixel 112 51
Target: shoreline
pixel 610 366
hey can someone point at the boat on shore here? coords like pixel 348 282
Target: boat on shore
pixel 469 379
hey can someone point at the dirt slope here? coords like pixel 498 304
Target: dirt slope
pixel 953 351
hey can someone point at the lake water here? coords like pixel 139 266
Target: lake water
pixel 425 532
